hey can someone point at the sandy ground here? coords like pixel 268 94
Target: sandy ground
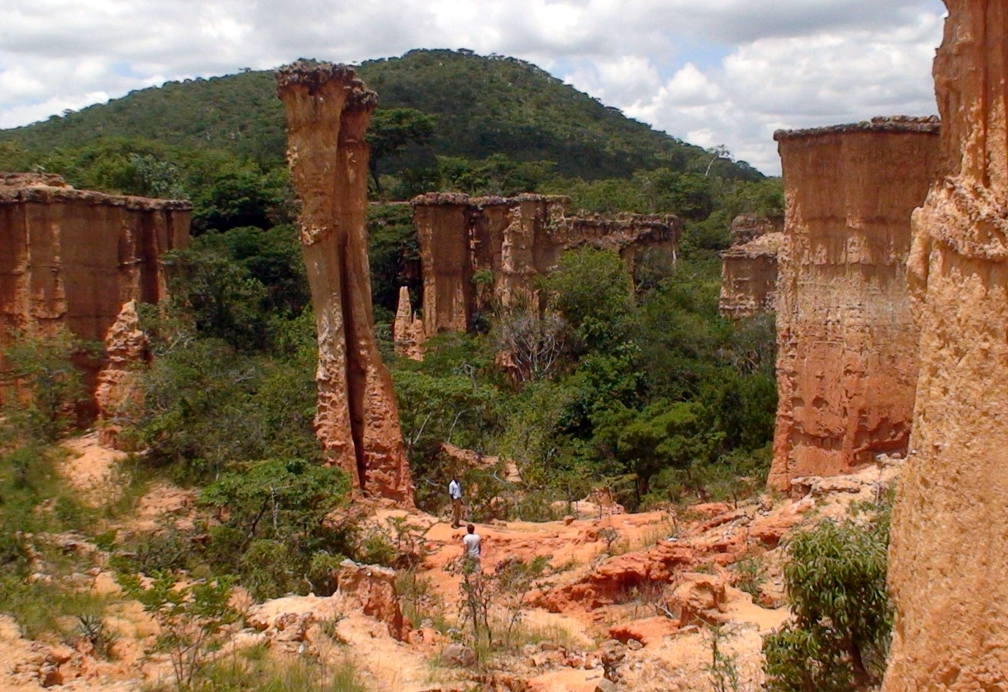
pixel 669 655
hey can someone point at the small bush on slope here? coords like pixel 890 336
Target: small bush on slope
pixel 839 636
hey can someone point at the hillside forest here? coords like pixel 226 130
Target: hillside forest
pixel 652 396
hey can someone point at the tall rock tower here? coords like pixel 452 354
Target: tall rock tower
pixel 949 552
pixel 328 110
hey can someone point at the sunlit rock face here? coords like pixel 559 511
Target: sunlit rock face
pixel 328 110
pixel 749 270
pixel 847 344
pixel 483 253
pixel 73 258
pixel 949 548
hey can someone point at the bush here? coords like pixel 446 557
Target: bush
pixel 275 532
pixel 54 386
pixel 842 619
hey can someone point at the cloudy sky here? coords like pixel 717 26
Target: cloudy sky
pixel 707 71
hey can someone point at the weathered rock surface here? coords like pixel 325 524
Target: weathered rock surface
pixel 749 277
pixel 126 349
pixel 408 329
pixel 73 257
pixel 847 344
pixel 478 252
pixel 749 227
pixel 373 588
pixel 949 549
pixel 699 598
pixel 328 110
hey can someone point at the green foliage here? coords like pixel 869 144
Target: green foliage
pixel 393 129
pixel 206 406
pixel 842 618
pixel 591 290
pixel 393 255
pixel 273 529
pixel 496 174
pixel 506 589
pixel 254 672
pixel 663 436
pixel 723 668
pixel 483 106
pixel 52 383
pixel 436 409
pixel 192 619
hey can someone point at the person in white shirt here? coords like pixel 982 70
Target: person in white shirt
pixel 471 543
pixel 455 492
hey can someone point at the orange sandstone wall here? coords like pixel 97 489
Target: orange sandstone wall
pixel 357 421
pixel 749 277
pixel 847 345
pixel 948 556
pixel 466 241
pixel 443 224
pixel 74 257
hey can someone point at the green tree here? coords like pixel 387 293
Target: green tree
pixel 273 528
pixel 191 619
pixel 44 366
pixel 841 623
pixel 392 130
pixel 662 436
pixel 592 290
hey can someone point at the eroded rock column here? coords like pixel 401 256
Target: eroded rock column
pixel 443 221
pixel 948 557
pixel 328 110
pixel 749 277
pixel 847 345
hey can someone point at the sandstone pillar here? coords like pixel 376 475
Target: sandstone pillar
pixel 407 330
pixel 749 277
pixel 948 557
pixel 442 221
pixel 847 344
pixel 328 110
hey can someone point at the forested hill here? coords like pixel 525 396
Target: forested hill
pixel 483 105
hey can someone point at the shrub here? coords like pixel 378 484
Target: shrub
pixel 191 619
pixel 274 529
pixel 44 366
pixel 839 635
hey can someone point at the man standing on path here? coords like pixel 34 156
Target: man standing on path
pixel 471 541
pixel 455 492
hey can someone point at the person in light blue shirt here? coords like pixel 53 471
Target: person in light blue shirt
pixel 455 492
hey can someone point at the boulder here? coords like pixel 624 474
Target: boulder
pixel 373 589
pixel 699 598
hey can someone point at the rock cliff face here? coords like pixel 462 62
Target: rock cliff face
pixel 747 227
pixel 847 345
pixel 477 252
pixel 74 257
pixel 949 549
pixel 443 225
pixel 328 110
pixel 749 276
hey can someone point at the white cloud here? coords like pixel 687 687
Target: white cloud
pixel 708 71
